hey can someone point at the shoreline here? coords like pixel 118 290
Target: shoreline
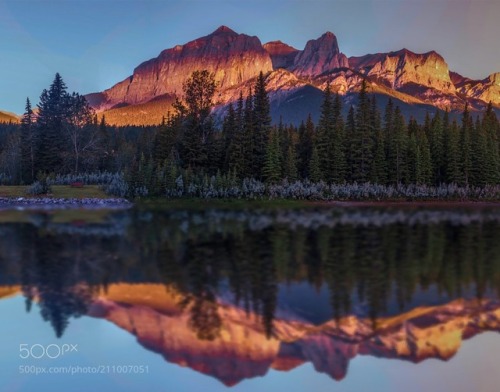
pixel 407 203
pixel 45 203
pixel 7 203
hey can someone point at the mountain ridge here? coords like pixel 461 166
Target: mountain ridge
pixel 236 59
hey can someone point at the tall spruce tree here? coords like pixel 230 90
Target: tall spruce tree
pixel 262 125
pixel 452 150
pixel 272 163
pixel 379 166
pixel 479 156
pixel 248 139
pixel 52 116
pixel 436 144
pixel 28 145
pixel 314 166
pixel 305 146
pixel 491 131
pixel 397 137
pixel 466 147
pixel 362 138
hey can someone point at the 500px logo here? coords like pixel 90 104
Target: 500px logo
pixel 52 351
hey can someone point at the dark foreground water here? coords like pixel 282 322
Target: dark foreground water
pixel 316 299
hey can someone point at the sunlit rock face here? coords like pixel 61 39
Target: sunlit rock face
pixel 282 55
pixel 319 56
pixel 237 347
pixel 407 71
pixel 487 90
pixel 233 58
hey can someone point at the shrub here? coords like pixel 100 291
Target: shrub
pixel 40 187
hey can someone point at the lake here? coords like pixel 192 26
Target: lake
pixel 340 297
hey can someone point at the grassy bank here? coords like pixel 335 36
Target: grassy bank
pixel 58 191
pixel 238 204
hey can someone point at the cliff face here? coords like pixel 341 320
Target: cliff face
pixel 282 55
pixel 421 75
pixel 240 349
pixel 320 56
pixel 487 90
pixel 233 58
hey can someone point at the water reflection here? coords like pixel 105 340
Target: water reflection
pixel 235 293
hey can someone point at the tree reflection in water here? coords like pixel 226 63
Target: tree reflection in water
pixel 373 262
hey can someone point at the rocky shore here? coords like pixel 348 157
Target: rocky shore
pixel 50 202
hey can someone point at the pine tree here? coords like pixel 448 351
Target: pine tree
pixel 273 158
pixel 52 116
pixel 413 160
pixel 437 151
pixel 350 145
pixel 290 167
pixel 338 147
pixel 479 156
pixel 426 161
pixel 466 147
pixel 305 146
pixel 248 140
pixel 228 133
pixel 261 125
pixel 314 168
pixel 491 131
pixel 397 147
pixel 106 149
pixel 325 139
pixel 419 164
pixel 166 139
pixel 379 166
pixel 452 150
pixel 28 145
pixel 236 153
pixel 362 139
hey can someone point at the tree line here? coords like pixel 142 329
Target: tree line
pixel 368 145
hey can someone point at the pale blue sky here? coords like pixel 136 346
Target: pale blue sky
pixel 94 44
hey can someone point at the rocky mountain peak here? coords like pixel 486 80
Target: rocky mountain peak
pixel 224 30
pixel 407 71
pixel 319 56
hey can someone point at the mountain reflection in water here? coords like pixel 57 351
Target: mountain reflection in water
pixel 233 294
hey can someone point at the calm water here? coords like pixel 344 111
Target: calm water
pixel 324 299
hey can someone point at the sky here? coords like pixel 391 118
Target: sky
pixel 94 44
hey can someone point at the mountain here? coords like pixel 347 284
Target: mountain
pixel 6 117
pixel 239 349
pixel 418 83
pixel 233 58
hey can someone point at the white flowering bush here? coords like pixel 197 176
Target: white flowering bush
pixel 40 187
pixel 117 187
pixel 97 178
